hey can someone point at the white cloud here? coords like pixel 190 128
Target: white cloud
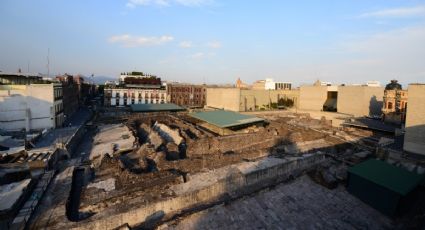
pixel 198 55
pixel 186 44
pixel 214 44
pixel 396 12
pixel 133 41
pixel 189 3
pixel 202 55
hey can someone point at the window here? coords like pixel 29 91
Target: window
pixel 390 105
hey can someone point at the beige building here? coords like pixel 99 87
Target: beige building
pixel 360 100
pixel 259 85
pixel 235 99
pixel 414 139
pixel 31 107
pixel 318 97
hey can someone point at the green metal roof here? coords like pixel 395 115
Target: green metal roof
pixel 225 119
pixel 389 176
pixel 155 107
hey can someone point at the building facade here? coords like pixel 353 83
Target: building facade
pixel 259 85
pixel 414 139
pixel 19 78
pixel 31 107
pixel 360 100
pixel 270 84
pixel 235 99
pixel 186 95
pixel 135 89
pixel 318 97
pixel 86 89
pixel 71 94
pixel 395 103
pixel 281 85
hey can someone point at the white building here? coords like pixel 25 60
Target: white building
pixel 135 88
pixel 129 96
pixel 270 84
pixel 373 84
pixel 31 107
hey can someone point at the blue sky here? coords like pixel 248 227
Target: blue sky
pixel 217 41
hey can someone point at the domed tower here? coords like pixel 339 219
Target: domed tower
pixel 395 103
pixel 393 85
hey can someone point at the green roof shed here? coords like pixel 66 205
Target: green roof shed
pixel 387 188
pixel 226 119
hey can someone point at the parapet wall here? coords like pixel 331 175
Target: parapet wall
pixel 214 186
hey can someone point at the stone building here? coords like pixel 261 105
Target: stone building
pixel 395 103
pixel 235 99
pixel 414 139
pixel 186 95
pixel 135 88
pixel 31 107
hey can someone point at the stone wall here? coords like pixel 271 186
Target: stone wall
pixel 414 140
pixel 252 100
pixel 236 99
pixel 360 100
pixel 223 144
pixel 223 98
pixel 214 186
pixel 313 97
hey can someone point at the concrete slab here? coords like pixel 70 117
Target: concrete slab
pixel 301 204
pixel 10 193
pixel 108 136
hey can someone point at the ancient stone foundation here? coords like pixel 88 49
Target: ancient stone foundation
pixel 200 189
